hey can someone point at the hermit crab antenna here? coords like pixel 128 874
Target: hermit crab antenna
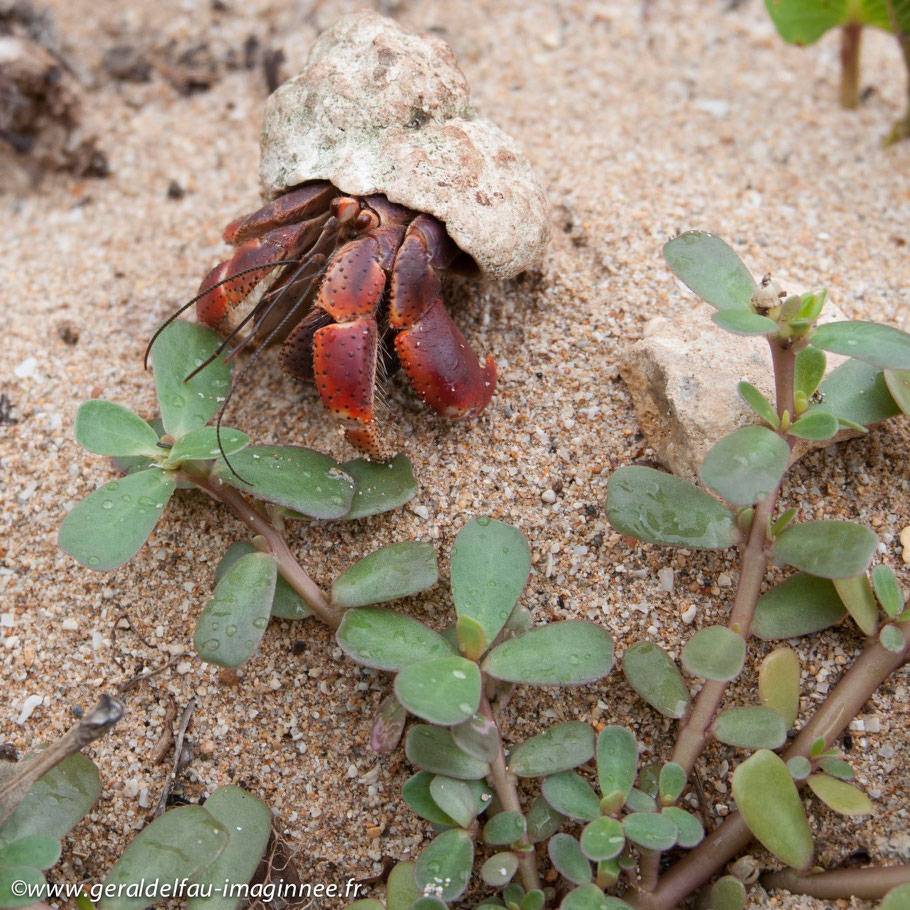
pixel 202 294
pixel 255 356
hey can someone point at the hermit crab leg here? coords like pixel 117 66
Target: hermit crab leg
pixel 434 353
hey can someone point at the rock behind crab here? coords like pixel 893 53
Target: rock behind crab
pixel 380 109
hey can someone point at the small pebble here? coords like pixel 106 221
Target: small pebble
pixel 665 577
pixel 688 615
pixel 69 625
pixel 28 706
pixel 548 496
pixel 208 747
pixel 905 542
pixel 26 368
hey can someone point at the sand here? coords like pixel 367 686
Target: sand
pixel 693 116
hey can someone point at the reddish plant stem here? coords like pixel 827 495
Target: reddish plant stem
pixel 856 687
pixel 850 43
pixel 291 570
pixel 694 733
pixel 868 884
pixel 504 782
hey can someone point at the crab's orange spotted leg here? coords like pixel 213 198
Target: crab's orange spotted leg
pixel 434 354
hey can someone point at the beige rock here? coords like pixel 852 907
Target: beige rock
pixel 682 377
pixel 380 109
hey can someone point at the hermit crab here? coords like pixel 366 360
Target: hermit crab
pixel 380 180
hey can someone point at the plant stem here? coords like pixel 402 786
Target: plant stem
pixel 901 129
pixel 693 735
pixel 503 782
pixel 868 884
pixel 850 42
pixel 856 687
pixel 291 570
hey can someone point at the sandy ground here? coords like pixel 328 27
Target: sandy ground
pixel 695 116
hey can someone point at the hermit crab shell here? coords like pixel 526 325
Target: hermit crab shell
pixel 380 109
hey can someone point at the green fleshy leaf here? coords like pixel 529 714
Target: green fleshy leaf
pixel 478 737
pixel 829 549
pixel 489 569
pixel 543 820
pixel 572 795
pixel 179 844
pixel 770 805
pixel 37 851
pixel 585 897
pixel 109 527
pixel 57 801
pixel 689 832
pixel 744 322
pixel 816 425
pixel 443 690
pixel 799 22
pixel 401 890
pixel 505 828
pixel 379 487
pixel 650 830
pixel 533 900
pixel 801 605
pixel 752 397
pixel 385 640
pixel 715 652
pixel 746 466
pixel 417 794
pixel 178 350
pixel 887 590
pixel 433 749
pixel 286 603
pixel 655 507
pixel 856 593
pixel 106 428
pixel 842 797
pixel 202 445
pixel 472 640
pixel 617 760
pixel 799 767
pixel 778 684
pixel 455 798
pixel 812 302
pixel 429 903
pixel 249 823
pixel 397 570
pixel 856 392
pixel 651 673
pixel 499 869
pixel 671 783
pixel 751 727
pixel 782 521
pixel 444 867
pixel 898 382
pixel 559 748
pixel 10 875
pixel 809 370
pixel 567 653
pixel 602 839
pixel 881 345
pixel 728 893
pixel 837 767
pixel 710 268
pixel 568 860
pixel 896 899
pixel 234 620
pixel 892 639
pixel 639 801
pixel 300 479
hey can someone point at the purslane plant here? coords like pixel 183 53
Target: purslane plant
pixel 258 579
pixel 478 789
pixel 805 21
